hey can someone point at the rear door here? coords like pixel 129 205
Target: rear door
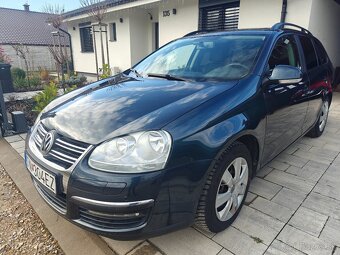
pixel 286 107
pixel 317 71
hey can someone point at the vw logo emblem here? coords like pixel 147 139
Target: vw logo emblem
pixel 47 142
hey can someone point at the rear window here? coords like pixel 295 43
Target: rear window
pixel 309 52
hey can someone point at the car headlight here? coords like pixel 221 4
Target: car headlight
pixel 135 153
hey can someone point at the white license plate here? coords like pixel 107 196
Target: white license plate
pixel 45 178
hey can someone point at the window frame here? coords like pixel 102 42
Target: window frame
pixel 84 27
pixel 303 53
pixel 298 46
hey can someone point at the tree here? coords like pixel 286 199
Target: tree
pixel 22 52
pixel 97 10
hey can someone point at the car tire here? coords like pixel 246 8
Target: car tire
pixel 214 214
pixel 320 125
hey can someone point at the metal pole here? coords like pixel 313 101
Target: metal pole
pixel 107 47
pixel 71 49
pixel 101 44
pixel 95 51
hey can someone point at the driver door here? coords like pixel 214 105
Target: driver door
pixel 286 104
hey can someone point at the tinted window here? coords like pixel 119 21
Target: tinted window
pixel 285 52
pixel 309 52
pixel 205 58
pixel 322 55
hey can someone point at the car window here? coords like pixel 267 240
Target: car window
pixel 309 52
pixel 215 58
pixel 322 55
pixel 285 52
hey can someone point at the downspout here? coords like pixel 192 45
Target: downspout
pixel 284 11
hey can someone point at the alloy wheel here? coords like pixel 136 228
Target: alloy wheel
pixel 323 116
pixel 232 188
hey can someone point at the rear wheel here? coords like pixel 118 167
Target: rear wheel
pixel 225 189
pixel 320 125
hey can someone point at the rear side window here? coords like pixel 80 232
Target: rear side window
pixel 309 52
pixel 322 55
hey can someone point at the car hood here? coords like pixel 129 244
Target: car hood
pixel 123 105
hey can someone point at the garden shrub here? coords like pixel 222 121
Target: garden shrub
pixel 18 73
pixel 42 99
pixel 35 81
pixel 44 75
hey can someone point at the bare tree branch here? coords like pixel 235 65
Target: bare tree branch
pixel 96 9
pixel 22 52
pixel 56 18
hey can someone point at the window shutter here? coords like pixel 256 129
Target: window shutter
pixel 220 17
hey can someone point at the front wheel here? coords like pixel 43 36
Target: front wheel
pixel 320 125
pixel 225 189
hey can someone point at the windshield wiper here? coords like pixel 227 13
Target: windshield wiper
pixel 136 72
pixel 166 76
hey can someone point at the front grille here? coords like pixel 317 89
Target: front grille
pixel 64 152
pixel 113 221
pixel 57 202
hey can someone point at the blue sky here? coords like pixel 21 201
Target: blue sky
pixel 37 5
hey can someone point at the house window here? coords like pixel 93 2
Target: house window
pixel 113 32
pixel 219 16
pixel 86 39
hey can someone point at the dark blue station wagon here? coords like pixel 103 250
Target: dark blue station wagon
pixel 176 140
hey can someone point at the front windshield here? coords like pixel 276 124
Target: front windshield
pixel 204 58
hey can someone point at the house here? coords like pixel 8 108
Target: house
pixel 136 28
pixel 28 28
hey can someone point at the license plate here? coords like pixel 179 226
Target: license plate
pixel 45 178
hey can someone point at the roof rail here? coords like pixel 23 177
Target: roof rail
pixel 282 25
pixel 198 32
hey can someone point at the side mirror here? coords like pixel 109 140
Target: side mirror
pixel 284 74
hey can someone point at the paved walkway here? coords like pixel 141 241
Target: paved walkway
pixel 293 206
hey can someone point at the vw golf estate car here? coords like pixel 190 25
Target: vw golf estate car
pixel 176 140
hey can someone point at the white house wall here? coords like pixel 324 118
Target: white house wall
pixel 140 34
pixel 175 26
pixel 265 13
pixel 324 24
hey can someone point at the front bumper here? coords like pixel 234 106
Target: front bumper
pixel 126 206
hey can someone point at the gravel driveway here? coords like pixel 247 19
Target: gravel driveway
pixel 21 230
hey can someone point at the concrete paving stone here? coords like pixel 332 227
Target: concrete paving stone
pixel 122 247
pixel 332 176
pixel 274 210
pixel 331 232
pixel 264 188
pixel 145 248
pixel 23 136
pixel 187 241
pixel 292 160
pixel 311 171
pixel 225 252
pixel 304 242
pixel 290 181
pixel 22 155
pixel 291 149
pixel 20 150
pixel 257 224
pixel 324 152
pixel 13 138
pixel 307 155
pixel 239 243
pixel 289 198
pixel 327 190
pixel 278 165
pixel 324 205
pixel 308 221
pixel 18 144
pixel 280 248
pixel 332 147
pixel 264 171
pixel 204 232
pixel 250 198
